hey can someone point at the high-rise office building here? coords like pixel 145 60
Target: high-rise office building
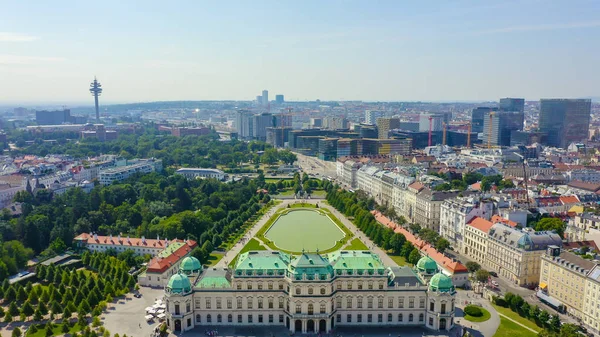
pixel 511 104
pixel 477 116
pixel 436 122
pixel 335 123
pixel 260 124
pixel 265 97
pixel 372 115
pixel 244 124
pixel 565 120
pixel 503 123
pixel 53 117
pixel 514 104
pixel 384 125
pixel 259 100
pixel 279 99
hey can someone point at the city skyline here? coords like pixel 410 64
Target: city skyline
pixel 330 51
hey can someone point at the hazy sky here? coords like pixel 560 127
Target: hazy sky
pixel 369 50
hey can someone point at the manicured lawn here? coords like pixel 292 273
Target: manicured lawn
pixel 286 192
pixel 400 260
pixel 510 329
pixel 56 329
pixel 213 259
pixel 485 317
pixel 513 315
pixel 356 244
pixel 276 180
pixel 318 193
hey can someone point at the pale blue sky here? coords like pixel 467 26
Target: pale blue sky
pixel 369 50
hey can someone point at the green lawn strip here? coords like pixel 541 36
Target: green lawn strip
pixel 213 259
pixel 319 193
pixel 253 244
pixel 486 315
pixel 400 260
pixel 233 239
pixel 276 180
pixel 508 328
pixel 56 329
pixel 356 244
pixel 514 316
pixel 286 192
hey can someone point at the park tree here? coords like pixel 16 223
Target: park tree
pixel 482 275
pixel 27 309
pixel 397 240
pixel 551 224
pixel 473 266
pixel 414 256
pixel 16 332
pixel 554 324
pixel 441 245
pixel 21 294
pixel 543 317
pixel 8 317
pixel 13 310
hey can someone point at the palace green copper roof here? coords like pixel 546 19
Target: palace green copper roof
pixel 441 282
pixel 179 283
pixel 361 261
pixel 310 264
pixel 214 278
pixel 190 264
pixel 427 264
pixel 262 262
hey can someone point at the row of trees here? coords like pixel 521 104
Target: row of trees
pixel 454 182
pixel 62 292
pixel 355 206
pixel 550 322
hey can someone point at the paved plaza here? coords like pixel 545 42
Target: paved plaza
pixel 127 316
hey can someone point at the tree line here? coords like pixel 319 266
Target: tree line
pixel 355 207
pixel 61 292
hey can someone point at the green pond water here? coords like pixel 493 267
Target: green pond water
pixel 304 229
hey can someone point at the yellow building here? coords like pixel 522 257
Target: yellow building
pixel 476 239
pixel 574 282
pixel 515 254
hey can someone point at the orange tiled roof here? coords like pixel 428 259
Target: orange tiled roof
pixel 476 186
pixel 481 224
pixel 417 186
pixel 496 218
pixel 160 265
pixel 115 241
pixel 425 248
pixel 569 199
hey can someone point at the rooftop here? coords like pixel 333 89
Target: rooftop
pixel 481 224
pixel 215 278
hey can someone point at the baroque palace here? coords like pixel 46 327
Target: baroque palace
pixel 310 293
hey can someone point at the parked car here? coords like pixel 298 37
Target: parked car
pixel 494 274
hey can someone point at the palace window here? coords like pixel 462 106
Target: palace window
pixel 400 302
pixel 421 317
pixel 310 290
pixel 322 308
pixel 338 303
pixel 369 318
pixel 260 303
pixel 239 303
pixel 359 303
pixel 411 302
pixel 379 318
pixel 400 317
pixel 380 302
pixel 249 302
pixel 349 303
pixel 229 303
pixel 270 303
pixel 410 317
pixel 218 303
pixel 208 302
pixel 390 317
pixel 370 302
pixel 421 303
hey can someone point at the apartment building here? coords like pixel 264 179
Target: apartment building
pixel 516 254
pixel 476 239
pixel 427 207
pixel 564 276
pixel 455 213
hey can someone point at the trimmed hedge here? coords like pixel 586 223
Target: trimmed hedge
pixel 474 311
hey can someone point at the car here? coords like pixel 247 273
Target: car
pixel 137 295
pixel 494 274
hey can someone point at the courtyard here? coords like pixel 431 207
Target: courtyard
pixel 304 229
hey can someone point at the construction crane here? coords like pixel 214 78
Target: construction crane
pixel 430 126
pixel 469 135
pixel 444 133
pixel 489 140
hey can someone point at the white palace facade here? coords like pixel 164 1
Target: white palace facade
pixel 310 293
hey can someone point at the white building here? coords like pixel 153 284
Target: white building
pixel 586 175
pixel 372 115
pixel 201 173
pixel 366 180
pixel 108 176
pixel 456 213
pixel 311 293
pixel 168 262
